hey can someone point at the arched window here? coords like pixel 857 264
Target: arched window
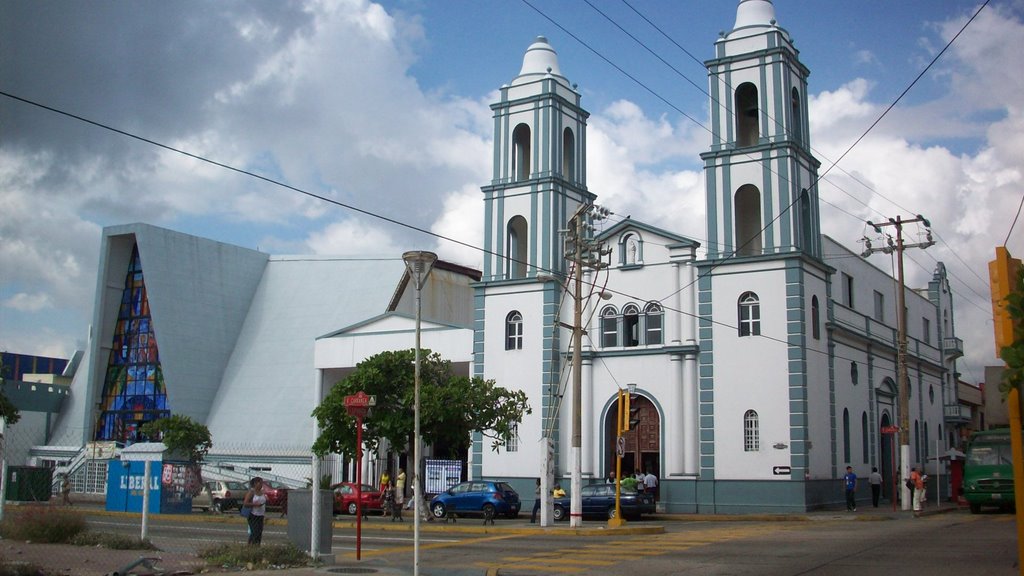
pixel 654 317
pixel 746 115
pixel 517 253
pixel 797 120
pixel 631 325
pixel 568 155
pixel 864 436
pixel 521 153
pixel 631 250
pixel 748 220
pixel 815 318
pixel 751 432
pixel 846 435
pixel 609 328
pixel 749 314
pixel 853 373
pixel 806 231
pixel 917 441
pixel 514 331
pixel 925 445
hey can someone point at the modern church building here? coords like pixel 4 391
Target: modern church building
pixel 763 360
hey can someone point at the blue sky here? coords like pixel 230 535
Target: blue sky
pixel 385 107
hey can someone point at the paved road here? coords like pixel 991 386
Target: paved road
pixel 820 544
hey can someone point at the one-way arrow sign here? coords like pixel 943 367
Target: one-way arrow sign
pixel 781 470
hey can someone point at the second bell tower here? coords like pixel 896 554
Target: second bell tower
pixel 539 169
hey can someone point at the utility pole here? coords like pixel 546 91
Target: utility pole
pixel 901 328
pixel 583 251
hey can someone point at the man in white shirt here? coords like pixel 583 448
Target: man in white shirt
pixel 651 484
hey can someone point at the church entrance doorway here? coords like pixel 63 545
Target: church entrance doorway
pixel 642 441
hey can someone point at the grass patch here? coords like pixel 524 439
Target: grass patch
pixel 112 541
pixel 245 556
pixel 42 524
pixel 8 568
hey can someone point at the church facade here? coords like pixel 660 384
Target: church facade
pixel 760 361
pixel 760 369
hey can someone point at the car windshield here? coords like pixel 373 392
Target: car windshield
pixel 504 487
pixel 235 485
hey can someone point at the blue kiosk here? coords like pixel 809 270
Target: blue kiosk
pixel 170 481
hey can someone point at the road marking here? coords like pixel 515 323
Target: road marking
pixel 437 544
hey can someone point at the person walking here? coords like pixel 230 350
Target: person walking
pixel 536 503
pixel 875 479
pixel 918 494
pixel 850 481
pixel 399 492
pixel 256 501
pixel 65 490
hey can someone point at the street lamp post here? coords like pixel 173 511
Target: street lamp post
pixel 418 263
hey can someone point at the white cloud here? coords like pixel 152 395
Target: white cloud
pixel 353 238
pixel 28 302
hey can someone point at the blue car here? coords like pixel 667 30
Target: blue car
pixel 599 500
pixel 477 497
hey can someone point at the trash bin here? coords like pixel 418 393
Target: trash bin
pixel 29 483
pixel 300 519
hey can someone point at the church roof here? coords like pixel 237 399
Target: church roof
pixel 629 223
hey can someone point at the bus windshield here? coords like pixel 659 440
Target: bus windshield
pixel 989 455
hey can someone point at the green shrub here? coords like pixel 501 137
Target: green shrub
pixel 42 524
pixel 11 569
pixel 8 568
pixel 112 541
pixel 629 484
pixel 245 556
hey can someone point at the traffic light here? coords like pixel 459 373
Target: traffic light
pixel 632 412
pixel 1003 273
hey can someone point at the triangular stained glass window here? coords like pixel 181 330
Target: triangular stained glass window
pixel 133 389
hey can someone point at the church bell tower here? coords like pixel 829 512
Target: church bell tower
pixel 761 180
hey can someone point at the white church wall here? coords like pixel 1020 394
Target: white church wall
pixel 516 370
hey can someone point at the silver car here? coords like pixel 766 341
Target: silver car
pixel 220 495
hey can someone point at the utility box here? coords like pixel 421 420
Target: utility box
pixel 300 519
pixel 29 483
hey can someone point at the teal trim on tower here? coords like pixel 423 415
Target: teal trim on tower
pixel 796 335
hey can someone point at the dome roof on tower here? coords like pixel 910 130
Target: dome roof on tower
pixel 540 60
pixel 754 13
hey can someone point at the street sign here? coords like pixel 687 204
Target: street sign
pixel 890 429
pixel 360 400
pixel 620 446
pixel 781 470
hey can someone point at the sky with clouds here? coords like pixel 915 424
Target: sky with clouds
pixel 385 107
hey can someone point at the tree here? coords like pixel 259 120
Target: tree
pixel 1013 355
pixel 452 407
pixel 8 411
pixel 181 435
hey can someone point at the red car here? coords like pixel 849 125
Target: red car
pixel 345 498
pixel 277 495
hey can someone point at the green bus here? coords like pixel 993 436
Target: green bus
pixel 988 470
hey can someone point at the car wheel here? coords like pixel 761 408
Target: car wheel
pixel 489 511
pixel 218 507
pixel 352 508
pixel 559 513
pixel 437 509
pixel 611 512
